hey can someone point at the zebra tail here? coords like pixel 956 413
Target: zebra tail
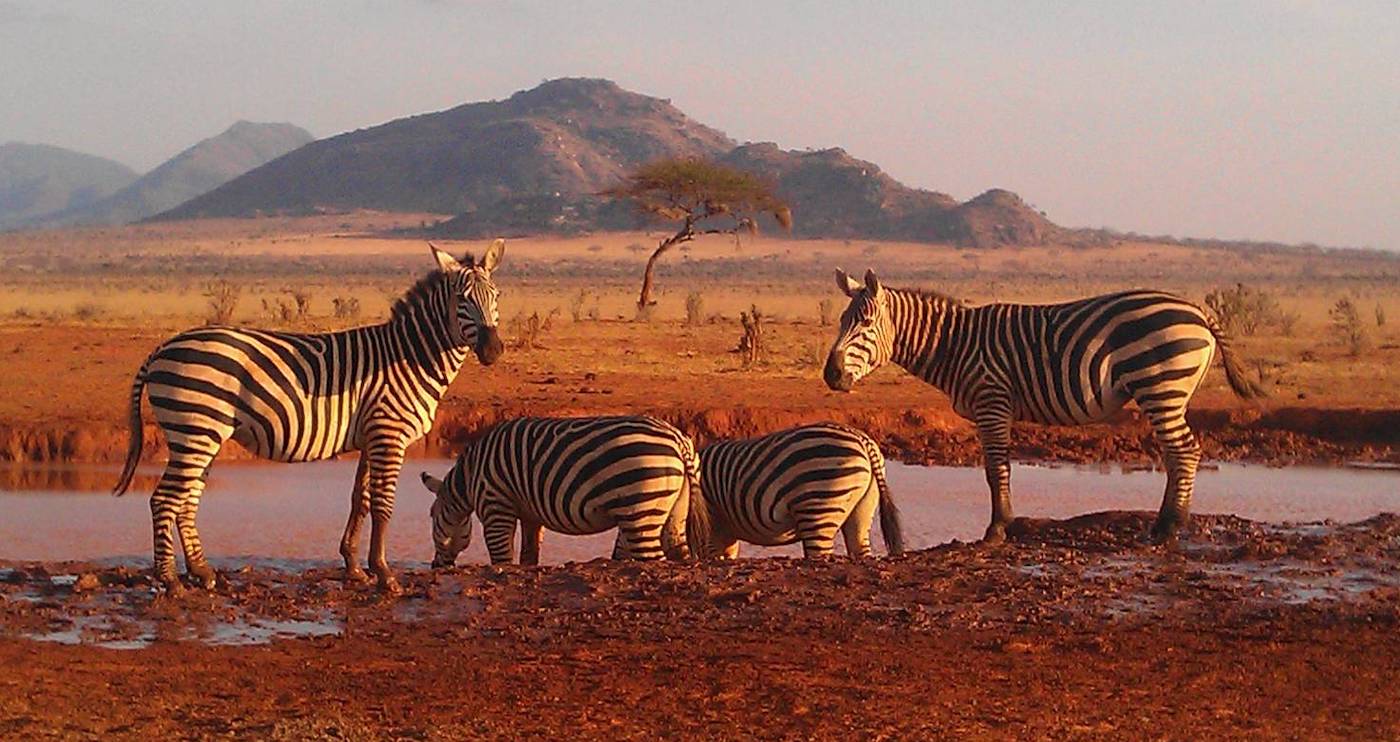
pixel 890 526
pixel 698 528
pixel 1235 371
pixel 135 432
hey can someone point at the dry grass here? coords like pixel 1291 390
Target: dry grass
pixel 149 280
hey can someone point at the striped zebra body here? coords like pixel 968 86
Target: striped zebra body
pixel 1063 364
pixel 305 397
pixel 803 484
pixel 575 476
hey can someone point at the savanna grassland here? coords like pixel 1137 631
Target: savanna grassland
pixel 79 309
pixel 1072 629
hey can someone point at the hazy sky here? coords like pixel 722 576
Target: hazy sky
pixel 1271 120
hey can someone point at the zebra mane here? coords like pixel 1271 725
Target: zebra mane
pixel 415 295
pixel 922 293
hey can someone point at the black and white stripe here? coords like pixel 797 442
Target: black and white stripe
pixel 575 476
pixel 1063 364
pixel 802 484
pixel 303 397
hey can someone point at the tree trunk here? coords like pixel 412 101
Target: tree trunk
pixel 644 300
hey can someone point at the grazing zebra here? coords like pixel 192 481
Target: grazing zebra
pixel 1062 364
pixel 576 476
pixel 802 485
pixel 303 397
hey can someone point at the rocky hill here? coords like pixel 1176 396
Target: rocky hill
pixel 533 163
pixel 37 179
pixel 195 171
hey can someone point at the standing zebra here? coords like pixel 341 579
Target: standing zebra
pixel 802 485
pixel 303 397
pixel 1061 364
pixel 576 476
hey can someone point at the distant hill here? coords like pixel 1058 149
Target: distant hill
pixel 532 163
pixel 565 136
pixel 37 179
pixel 195 171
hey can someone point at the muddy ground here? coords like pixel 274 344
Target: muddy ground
pixel 1076 628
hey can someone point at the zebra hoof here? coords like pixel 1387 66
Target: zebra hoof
pixel 203 576
pixel 357 575
pixel 1164 531
pixel 172 590
pixel 996 534
pixel 389 587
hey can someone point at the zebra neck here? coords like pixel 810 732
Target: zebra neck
pixel 418 340
pixel 921 327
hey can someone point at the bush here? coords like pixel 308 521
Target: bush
pixel 1380 316
pixel 346 307
pixel 576 307
pixel 1244 310
pixel 223 300
pixel 694 308
pixel 1346 325
pixel 827 308
pixel 87 312
pixel 529 330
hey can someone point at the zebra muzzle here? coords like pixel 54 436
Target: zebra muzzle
pixel 489 346
pixel 837 378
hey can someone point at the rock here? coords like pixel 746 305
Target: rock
pixel 86 581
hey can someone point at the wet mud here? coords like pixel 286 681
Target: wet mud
pixel 1078 628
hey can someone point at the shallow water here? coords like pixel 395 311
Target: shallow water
pixel 292 515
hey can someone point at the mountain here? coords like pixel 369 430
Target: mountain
pixel 195 171
pixel 569 136
pixel 533 163
pixel 37 179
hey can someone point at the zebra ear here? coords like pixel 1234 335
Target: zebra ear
pixel 433 484
pixel 493 255
pixel 445 262
pixel 849 286
pixel 872 284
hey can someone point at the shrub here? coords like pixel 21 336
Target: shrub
pixel 529 330
pixel 827 308
pixel 1244 310
pixel 1346 325
pixel 1380 316
pixel 694 308
pixel 223 300
pixel 346 307
pixel 576 306
pixel 87 312
pixel 302 299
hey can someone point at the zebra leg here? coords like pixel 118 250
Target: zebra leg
pixel 640 540
pixel 385 462
pixel 359 508
pixel 856 529
pixel 196 565
pixel 498 530
pixel 530 543
pixel 1181 453
pixel 816 529
pixel 673 533
pixel 994 431
pixel 184 474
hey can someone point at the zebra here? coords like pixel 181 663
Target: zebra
pixel 302 397
pixel 802 485
pixel 576 476
pixel 1063 364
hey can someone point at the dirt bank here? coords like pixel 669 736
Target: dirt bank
pixel 684 375
pixel 924 435
pixel 1075 629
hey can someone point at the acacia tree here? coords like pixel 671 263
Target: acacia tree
pixel 704 197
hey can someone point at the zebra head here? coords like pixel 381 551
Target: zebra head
pixel 452 516
pixel 474 295
pixel 866 338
